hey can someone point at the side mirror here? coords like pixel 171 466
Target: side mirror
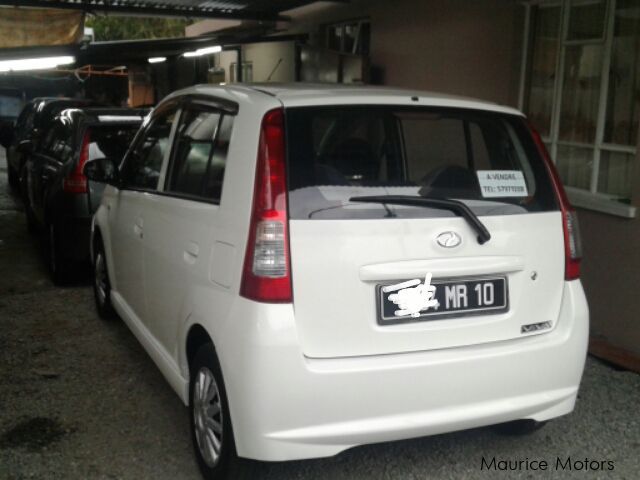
pixel 103 170
pixel 25 146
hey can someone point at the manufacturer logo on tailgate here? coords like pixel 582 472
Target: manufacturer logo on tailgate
pixel 449 239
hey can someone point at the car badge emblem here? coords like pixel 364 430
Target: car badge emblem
pixel 449 239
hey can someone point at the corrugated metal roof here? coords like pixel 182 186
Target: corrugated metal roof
pixel 234 9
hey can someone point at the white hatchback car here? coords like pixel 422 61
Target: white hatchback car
pixel 314 268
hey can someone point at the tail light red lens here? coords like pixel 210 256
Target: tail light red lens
pixel 267 271
pixel 76 182
pixel 572 240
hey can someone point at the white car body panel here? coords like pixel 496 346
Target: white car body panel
pixel 326 384
pixel 336 307
pixel 325 406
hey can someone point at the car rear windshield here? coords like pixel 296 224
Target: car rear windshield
pixel 111 141
pixel 487 160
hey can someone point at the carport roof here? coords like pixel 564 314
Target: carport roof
pixel 134 51
pixel 223 9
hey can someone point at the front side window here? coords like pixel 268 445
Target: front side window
pixel 486 160
pixel 141 168
pixel 199 157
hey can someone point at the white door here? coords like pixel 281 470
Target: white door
pixel 181 224
pixel 140 174
pixel 349 255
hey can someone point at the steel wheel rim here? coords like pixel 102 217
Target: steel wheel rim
pixel 100 277
pixel 207 417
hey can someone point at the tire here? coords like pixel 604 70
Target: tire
pixel 59 269
pixel 209 418
pixel 519 427
pixel 102 284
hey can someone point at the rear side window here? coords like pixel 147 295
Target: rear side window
pixel 141 168
pixel 59 142
pixel 200 153
pixel 487 160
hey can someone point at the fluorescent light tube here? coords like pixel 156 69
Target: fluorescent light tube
pixel 25 64
pixel 203 51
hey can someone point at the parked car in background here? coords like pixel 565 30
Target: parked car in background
pixel 314 268
pixel 27 132
pixel 58 198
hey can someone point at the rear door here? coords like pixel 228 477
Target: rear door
pixel 181 224
pixel 350 259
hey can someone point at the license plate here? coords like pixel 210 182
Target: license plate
pixel 455 298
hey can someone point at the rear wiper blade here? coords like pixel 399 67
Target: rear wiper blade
pixel 454 206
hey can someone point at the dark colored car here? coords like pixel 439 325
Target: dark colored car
pixel 58 197
pixel 32 122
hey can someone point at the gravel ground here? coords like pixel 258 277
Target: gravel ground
pixel 79 399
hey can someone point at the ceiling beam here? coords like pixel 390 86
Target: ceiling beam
pixel 146 9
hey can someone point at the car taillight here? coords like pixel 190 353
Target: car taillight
pixel 267 271
pixel 572 241
pixel 76 182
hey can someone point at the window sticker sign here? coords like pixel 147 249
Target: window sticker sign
pixel 502 183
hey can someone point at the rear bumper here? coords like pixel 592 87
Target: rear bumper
pixel 285 406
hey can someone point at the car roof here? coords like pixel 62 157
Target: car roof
pixel 310 94
pixel 104 115
pixel 48 104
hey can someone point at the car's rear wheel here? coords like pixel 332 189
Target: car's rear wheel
pixel 211 432
pixel 102 284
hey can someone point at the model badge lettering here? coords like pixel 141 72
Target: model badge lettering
pixel 413 297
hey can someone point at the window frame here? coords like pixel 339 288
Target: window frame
pixel 226 107
pixel 546 199
pixel 141 136
pixel 173 152
pixel 591 198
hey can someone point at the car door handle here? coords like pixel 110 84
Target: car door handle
pixel 191 252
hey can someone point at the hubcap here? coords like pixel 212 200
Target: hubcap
pixel 100 278
pixel 207 416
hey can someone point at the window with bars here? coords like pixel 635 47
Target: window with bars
pixel 581 91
